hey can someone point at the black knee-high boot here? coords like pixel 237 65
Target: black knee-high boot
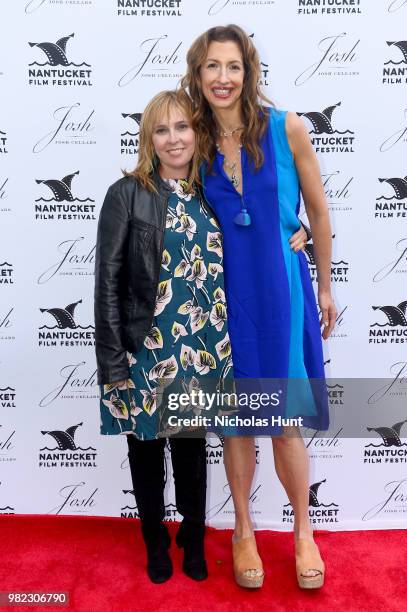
pixel 146 458
pixel 189 467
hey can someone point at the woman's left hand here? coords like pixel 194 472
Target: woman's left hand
pixel 298 240
pixel 328 312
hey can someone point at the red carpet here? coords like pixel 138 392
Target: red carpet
pixel 100 562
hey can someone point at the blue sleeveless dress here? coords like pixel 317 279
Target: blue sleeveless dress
pixel 273 319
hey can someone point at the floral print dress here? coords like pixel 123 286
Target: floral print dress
pixel 188 340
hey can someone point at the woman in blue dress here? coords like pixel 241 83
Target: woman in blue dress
pixel 257 161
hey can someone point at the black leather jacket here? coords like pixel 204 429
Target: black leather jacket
pixel 129 249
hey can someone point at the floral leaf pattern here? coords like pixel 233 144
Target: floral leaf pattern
pixel 188 339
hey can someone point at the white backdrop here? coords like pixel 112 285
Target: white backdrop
pixel 72 108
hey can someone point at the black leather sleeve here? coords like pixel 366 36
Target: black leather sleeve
pixel 112 234
pixel 307 231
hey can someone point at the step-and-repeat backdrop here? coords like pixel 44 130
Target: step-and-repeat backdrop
pixel 75 76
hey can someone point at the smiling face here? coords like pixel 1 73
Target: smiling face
pixel 222 75
pixel 174 143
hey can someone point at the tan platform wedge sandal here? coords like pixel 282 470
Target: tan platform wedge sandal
pixel 307 558
pixel 247 565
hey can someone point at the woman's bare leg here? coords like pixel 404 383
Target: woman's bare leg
pixel 240 461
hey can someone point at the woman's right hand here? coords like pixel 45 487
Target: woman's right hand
pixel 120 383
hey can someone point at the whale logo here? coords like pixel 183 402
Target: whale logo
pixel 399 186
pixel 61 189
pixel 390 435
pixel 64 317
pixel 313 497
pixel 321 122
pixel 55 53
pixel 136 117
pixel 396 315
pixel 65 439
pixel 402 46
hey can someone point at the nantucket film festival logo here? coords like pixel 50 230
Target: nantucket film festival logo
pixel 321 511
pixel 391 326
pixel 6 273
pixel 65 331
pixel 149 8
pixel 325 136
pixel 74 257
pixel 389 448
pixel 129 140
pixel 77 498
pixel 214 450
pixel 61 202
pixel 74 381
pixel 159 57
pixel 130 510
pixel 4 205
pixel 339 269
pixel 333 56
pixel 57 69
pixel 5 508
pixel 63 451
pixel 395 69
pixel 3 142
pixel 7 397
pixel 392 203
pixel 7 448
pixel 216 6
pixel 330 7
pixel 69 125
pixel 264 70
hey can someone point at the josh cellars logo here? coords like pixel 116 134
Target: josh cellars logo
pixel 75 258
pixel 336 56
pixel 129 140
pixel 33 5
pixel 149 8
pixel 338 191
pixel 77 382
pixel 393 502
pixel 7 444
pixel 57 70
pixel 329 7
pixel 77 499
pixel 396 138
pixel 66 453
pixel 397 265
pixel 72 126
pixel 396 5
pixel 4 196
pixel 216 6
pixel 159 59
pixel 63 205
pixel 6 323
pixel 320 512
pixel 325 137
pixel 65 332
pixel 392 327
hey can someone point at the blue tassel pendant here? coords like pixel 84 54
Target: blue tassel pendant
pixel 243 218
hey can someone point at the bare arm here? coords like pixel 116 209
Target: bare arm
pixel 317 211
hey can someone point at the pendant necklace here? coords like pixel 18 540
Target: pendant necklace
pixel 243 217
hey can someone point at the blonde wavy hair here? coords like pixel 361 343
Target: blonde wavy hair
pixel 156 110
pixel 254 113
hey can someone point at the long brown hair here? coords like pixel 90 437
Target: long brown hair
pixel 158 107
pixel 254 114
